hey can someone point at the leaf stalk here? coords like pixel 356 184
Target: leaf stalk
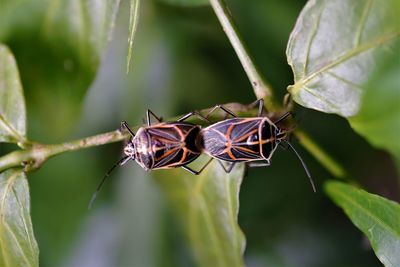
pixel 261 88
pixel 320 155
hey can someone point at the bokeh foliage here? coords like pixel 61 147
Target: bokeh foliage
pixel 182 61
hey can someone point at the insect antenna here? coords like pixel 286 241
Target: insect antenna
pixel 302 163
pixel 119 162
pixel 283 117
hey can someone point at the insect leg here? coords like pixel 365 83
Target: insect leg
pixel 193 113
pixel 196 172
pixel 148 113
pixel 259 164
pixel 227 111
pixel 260 104
pixel 125 125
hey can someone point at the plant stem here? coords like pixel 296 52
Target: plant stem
pixel 326 160
pixel 260 87
pixel 37 154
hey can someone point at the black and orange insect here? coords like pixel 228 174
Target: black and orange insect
pixel 252 140
pixel 162 145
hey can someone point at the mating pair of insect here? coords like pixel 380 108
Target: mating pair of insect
pixel 166 145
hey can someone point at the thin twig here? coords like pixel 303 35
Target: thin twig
pixel 33 157
pixel 261 88
pixel 319 154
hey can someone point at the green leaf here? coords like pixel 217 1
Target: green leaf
pixel 334 48
pixel 187 3
pixel 378 218
pixel 87 26
pixel 379 117
pixel 12 102
pixel 208 206
pixel 133 22
pixel 18 246
pixel 58 46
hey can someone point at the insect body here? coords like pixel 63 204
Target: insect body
pixel 162 145
pixel 251 140
pixel 242 139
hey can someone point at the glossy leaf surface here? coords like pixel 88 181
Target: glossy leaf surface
pixel 378 218
pixel 73 36
pixel 12 102
pixel 208 205
pixel 18 246
pixel 334 49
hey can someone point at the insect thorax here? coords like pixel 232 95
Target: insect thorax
pixel 268 142
pixel 142 149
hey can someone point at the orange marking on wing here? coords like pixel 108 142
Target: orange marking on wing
pixel 228 132
pixel 246 149
pixel 167 153
pixel 180 132
pixel 229 151
pixel 246 135
pixel 183 156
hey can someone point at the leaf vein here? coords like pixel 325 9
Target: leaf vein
pixel 349 54
pixel 13 132
pixel 322 99
pixel 356 86
pixel 312 36
pixel 23 219
pixel 367 212
pixel 10 182
pixel 7 227
pixel 361 26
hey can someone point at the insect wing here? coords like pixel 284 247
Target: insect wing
pixel 164 133
pixel 241 130
pixel 169 144
pixel 229 140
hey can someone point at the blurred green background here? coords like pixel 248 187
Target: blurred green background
pixel 182 61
